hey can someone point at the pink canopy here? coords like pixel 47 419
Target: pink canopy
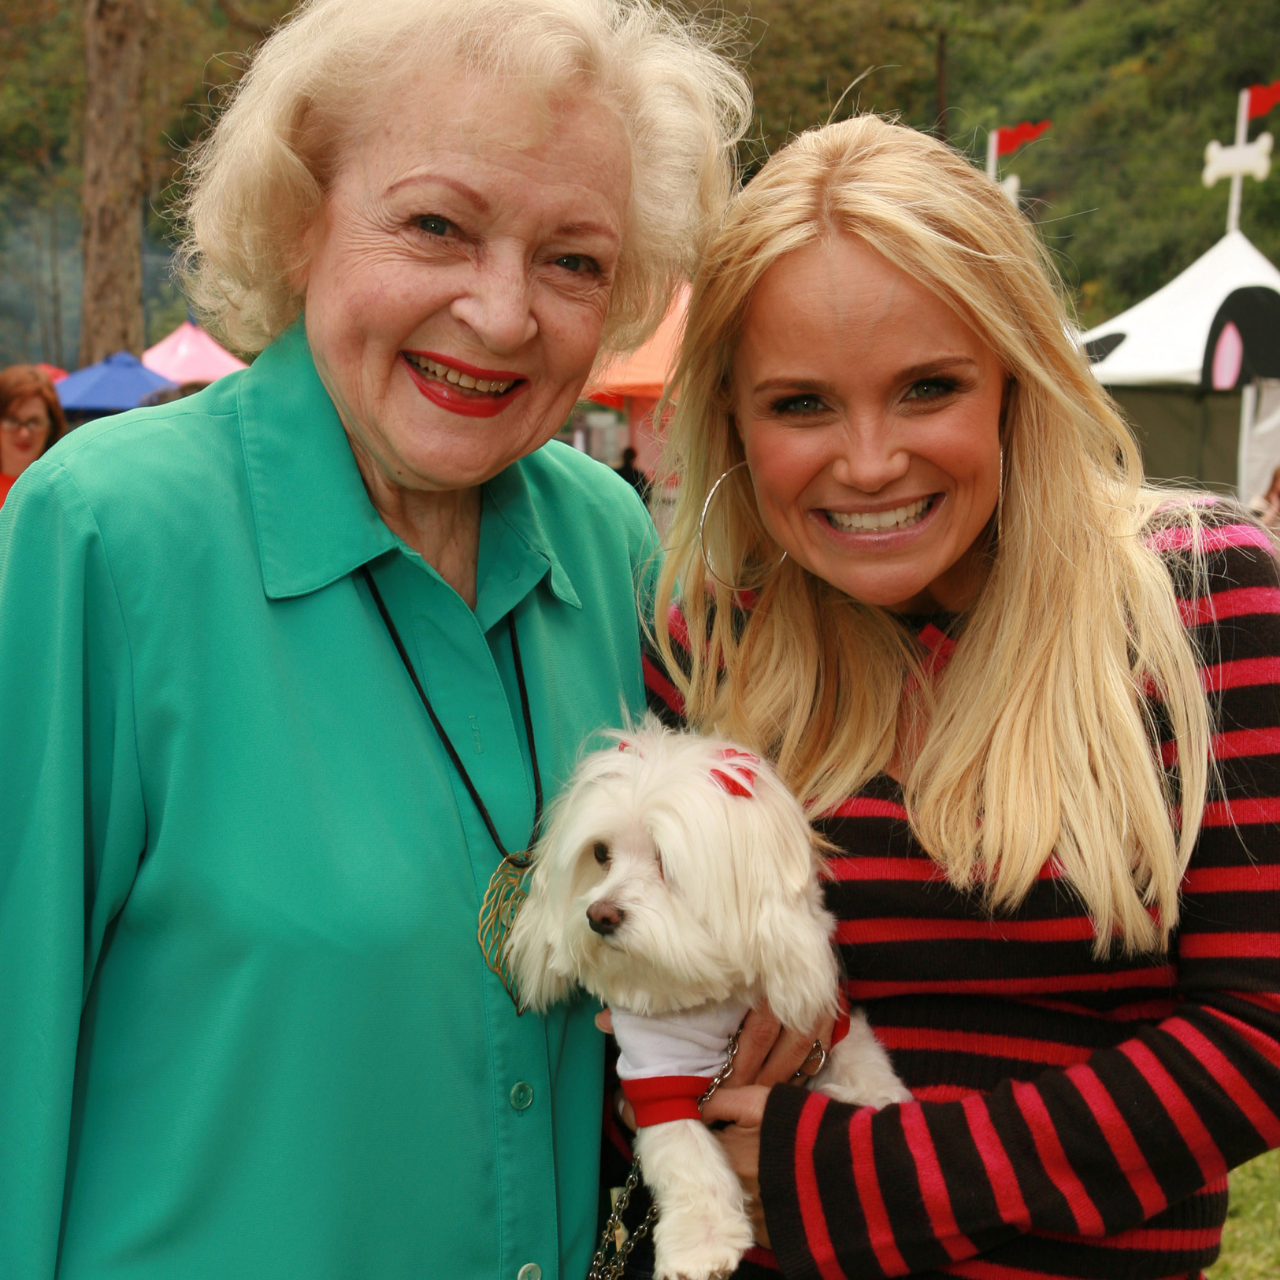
pixel 189 354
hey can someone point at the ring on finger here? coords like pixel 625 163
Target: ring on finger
pixel 816 1060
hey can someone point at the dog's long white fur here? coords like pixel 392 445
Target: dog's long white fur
pixel 717 897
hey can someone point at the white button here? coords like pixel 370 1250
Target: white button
pixel 530 1271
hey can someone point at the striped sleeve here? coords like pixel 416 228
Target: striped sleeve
pixel 1106 1145
pixel 661 692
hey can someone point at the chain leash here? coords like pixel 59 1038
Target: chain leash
pixel 604 1267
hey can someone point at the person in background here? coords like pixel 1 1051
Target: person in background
pixel 167 395
pixel 31 421
pixel 633 475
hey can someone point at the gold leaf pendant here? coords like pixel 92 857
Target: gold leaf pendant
pixel 502 900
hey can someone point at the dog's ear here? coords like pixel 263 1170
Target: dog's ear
pixel 530 955
pixel 796 962
pixel 788 931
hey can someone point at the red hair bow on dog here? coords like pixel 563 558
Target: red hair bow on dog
pixel 739 773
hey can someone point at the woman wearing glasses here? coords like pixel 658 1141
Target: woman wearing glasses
pixel 30 421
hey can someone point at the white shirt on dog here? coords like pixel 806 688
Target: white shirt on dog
pixel 693 1042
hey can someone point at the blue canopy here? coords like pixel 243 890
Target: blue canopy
pixel 119 382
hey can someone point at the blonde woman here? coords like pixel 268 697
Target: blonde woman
pixel 939 594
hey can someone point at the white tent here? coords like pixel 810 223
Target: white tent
pixel 1165 335
pixel 1213 329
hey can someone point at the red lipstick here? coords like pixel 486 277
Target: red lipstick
pixel 455 398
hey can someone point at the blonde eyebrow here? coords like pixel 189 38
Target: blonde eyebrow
pixel 572 229
pixel 470 194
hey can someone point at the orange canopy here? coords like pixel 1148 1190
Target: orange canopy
pixel 643 373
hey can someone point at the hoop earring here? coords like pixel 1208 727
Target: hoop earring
pixel 702 533
pixel 1000 497
pixel 1010 386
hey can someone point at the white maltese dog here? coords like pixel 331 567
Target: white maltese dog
pixel 678 883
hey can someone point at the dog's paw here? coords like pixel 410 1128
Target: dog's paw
pixel 859 1071
pixel 867 1093
pixel 711 1260
pixel 700 1245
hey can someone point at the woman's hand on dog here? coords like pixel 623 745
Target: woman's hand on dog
pixel 769 1053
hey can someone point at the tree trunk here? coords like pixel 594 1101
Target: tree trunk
pixel 115 47
pixel 55 285
pixel 41 299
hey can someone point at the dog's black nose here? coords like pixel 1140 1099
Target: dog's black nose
pixel 604 917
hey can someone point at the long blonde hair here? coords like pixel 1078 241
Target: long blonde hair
pixel 1037 741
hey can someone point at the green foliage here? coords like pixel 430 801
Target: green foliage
pixel 41 102
pixel 1251 1241
pixel 41 99
pixel 1135 92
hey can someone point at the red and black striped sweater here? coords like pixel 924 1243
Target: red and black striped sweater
pixel 1074 1117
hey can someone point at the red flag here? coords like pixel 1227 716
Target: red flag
pixel 1009 140
pixel 1262 97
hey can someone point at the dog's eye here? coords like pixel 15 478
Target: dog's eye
pixel 601 851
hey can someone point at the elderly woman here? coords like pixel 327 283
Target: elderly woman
pixel 287 667
pixel 31 420
pixel 1036 705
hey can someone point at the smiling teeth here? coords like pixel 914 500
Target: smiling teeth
pixel 867 521
pixel 445 373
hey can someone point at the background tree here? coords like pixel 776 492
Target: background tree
pixel 115 62
pixel 193 50
pixel 41 83
pixel 1134 90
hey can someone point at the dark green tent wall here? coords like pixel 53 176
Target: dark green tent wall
pixel 1185 434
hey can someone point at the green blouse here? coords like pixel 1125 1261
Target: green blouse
pixel 245 1026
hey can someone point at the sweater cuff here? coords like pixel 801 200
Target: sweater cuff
pixel 779 1194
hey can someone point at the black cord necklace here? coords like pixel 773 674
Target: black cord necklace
pixel 503 897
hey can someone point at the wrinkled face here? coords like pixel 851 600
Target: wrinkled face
pixel 460 273
pixel 23 434
pixel 870 415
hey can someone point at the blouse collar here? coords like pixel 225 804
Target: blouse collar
pixel 314 521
